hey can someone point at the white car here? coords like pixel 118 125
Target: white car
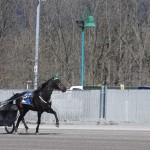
pixel 76 88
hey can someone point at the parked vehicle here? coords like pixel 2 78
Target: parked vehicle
pixel 76 88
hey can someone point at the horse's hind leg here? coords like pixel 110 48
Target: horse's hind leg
pixel 18 121
pixel 55 114
pixel 25 125
pixel 21 117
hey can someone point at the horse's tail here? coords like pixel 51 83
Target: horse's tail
pixel 10 100
pixel 6 102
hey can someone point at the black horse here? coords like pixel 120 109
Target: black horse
pixel 40 101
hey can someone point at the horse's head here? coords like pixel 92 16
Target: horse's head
pixel 57 84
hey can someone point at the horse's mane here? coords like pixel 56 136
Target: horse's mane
pixel 43 85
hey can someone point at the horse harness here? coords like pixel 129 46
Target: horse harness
pixel 43 100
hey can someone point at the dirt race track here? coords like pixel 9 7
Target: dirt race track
pixel 76 139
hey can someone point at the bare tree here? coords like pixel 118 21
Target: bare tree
pixel 116 51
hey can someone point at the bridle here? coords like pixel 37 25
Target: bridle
pixel 59 84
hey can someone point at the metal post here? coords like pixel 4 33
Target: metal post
pixel 102 112
pixel 82 59
pixel 101 102
pixel 37 44
pixel 105 98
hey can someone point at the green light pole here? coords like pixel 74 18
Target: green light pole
pixel 82 24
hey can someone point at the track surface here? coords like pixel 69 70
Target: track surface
pixel 76 139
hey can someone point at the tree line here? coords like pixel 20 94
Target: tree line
pixel 117 51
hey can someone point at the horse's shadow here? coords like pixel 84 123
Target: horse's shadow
pixel 52 133
pixel 21 133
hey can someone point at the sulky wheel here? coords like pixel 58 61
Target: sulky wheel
pixel 10 128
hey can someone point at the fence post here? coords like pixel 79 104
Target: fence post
pixel 105 98
pixel 102 103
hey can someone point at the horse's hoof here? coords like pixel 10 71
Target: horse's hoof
pixel 16 132
pixel 57 125
pixel 36 133
pixel 27 131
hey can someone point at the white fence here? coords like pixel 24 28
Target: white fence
pixel 94 106
pixel 77 106
pixel 128 106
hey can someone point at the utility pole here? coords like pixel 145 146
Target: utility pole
pixel 37 44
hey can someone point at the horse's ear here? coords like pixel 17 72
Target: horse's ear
pixel 56 75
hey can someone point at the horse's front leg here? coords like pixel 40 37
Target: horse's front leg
pixel 55 114
pixel 38 123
